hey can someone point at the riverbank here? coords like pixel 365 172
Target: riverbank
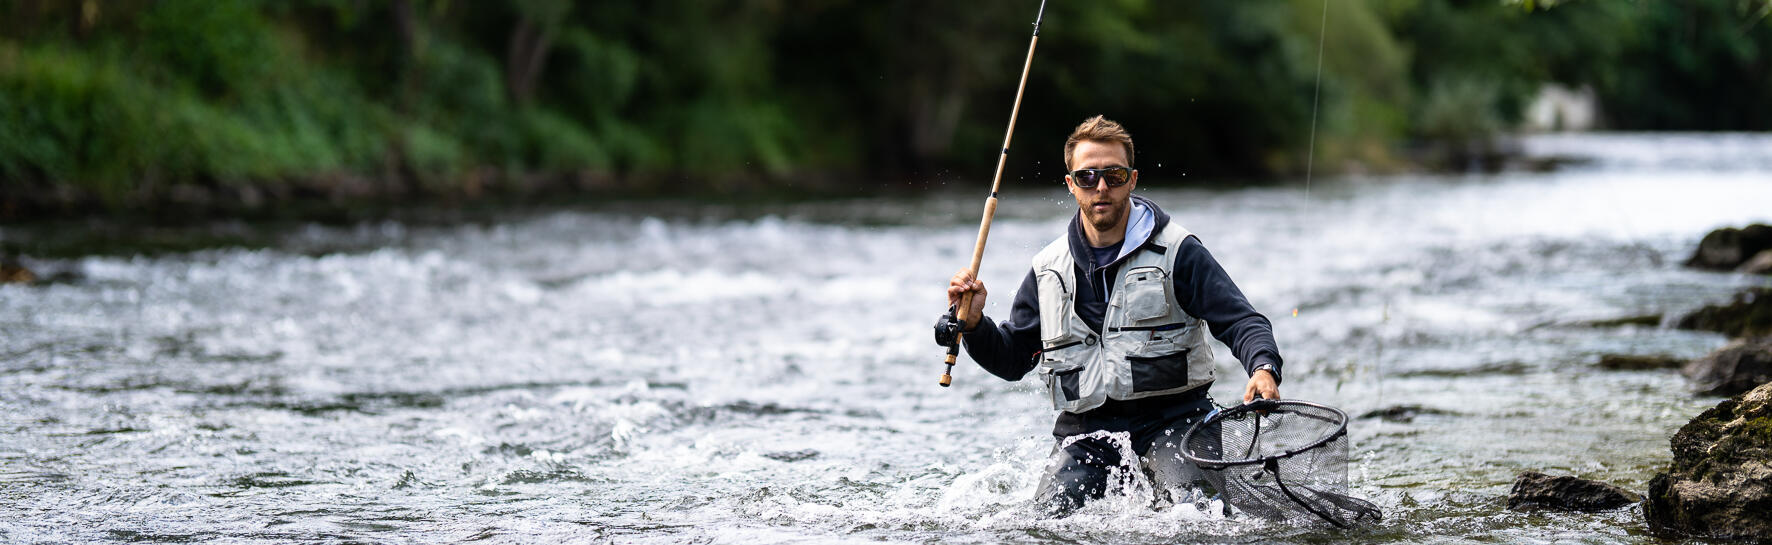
pixel 347 198
pixel 336 199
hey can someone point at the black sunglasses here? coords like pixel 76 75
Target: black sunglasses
pixel 1088 177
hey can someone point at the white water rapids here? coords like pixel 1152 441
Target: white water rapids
pixel 667 372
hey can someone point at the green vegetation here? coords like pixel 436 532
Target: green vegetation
pixel 137 104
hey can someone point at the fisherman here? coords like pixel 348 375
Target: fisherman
pixel 1113 316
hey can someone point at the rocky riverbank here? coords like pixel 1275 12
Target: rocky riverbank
pixel 1747 249
pixel 1720 482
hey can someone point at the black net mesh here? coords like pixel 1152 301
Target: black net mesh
pixel 1280 460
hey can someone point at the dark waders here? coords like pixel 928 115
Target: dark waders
pixel 1080 471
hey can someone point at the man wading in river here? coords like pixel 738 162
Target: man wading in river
pixel 1113 315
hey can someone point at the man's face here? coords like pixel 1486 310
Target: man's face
pixel 1102 206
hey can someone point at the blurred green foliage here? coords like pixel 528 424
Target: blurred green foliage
pixel 122 102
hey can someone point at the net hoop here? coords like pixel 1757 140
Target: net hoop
pixel 1267 405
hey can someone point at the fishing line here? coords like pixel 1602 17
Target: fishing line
pixel 1310 154
pixel 1316 97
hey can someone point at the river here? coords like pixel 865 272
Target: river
pixel 681 372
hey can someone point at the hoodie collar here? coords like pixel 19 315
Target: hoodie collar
pixel 1145 219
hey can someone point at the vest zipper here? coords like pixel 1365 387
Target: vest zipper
pixel 1163 327
pixel 1062 346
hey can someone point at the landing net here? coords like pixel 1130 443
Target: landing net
pixel 1279 460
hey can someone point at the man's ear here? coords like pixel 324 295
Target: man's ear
pixel 1133 184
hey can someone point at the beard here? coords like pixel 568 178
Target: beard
pixel 1108 219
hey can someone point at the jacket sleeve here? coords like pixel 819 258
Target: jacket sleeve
pixel 1206 292
pixel 1007 349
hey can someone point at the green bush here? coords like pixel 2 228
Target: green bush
pixel 89 121
pixel 219 47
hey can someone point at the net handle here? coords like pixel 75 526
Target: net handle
pixel 1266 405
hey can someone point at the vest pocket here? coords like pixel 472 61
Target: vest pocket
pixel 1052 317
pixel 1066 385
pixel 1145 294
pixel 1168 338
pixel 1154 373
pixel 1061 369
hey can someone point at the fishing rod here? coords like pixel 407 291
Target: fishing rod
pixel 949 329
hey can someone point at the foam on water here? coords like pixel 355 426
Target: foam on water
pixel 1672 152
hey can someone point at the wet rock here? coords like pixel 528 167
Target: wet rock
pixel 765 409
pixel 1534 490
pixel 1403 413
pixel 271 479
pixel 792 456
pixel 1726 248
pixel 64 277
pixel 1733 369
pixel 1494 368
pixel 1748 314
pixel 1646 320
pixel 1720 482
pixel 530 476
pixel 1760 263
pixel 14 273
pixel 1638 362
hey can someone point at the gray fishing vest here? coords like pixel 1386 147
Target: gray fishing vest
pixel 1148 346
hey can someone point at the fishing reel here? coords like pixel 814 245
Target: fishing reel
pixel 947 330
pixel 947 334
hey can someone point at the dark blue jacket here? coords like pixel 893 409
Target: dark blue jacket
pixel 1201 286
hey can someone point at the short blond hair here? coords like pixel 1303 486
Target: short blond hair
pixel 1098 129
